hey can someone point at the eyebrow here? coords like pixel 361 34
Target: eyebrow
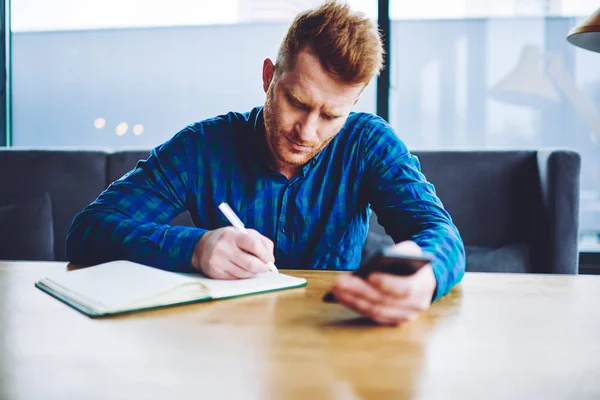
pixel 295 98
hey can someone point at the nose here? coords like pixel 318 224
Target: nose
pixel 306 128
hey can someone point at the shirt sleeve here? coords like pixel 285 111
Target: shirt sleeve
pixel 129 220
pixel 407 205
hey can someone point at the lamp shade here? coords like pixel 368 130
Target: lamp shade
pixel 526 84
pixel 587 34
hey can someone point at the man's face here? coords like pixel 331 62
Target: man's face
pixel 305 108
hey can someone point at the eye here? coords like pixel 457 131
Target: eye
pixel 295 103
pixel 328 117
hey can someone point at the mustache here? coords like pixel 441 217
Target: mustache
pixel 301 142
pixel 274 130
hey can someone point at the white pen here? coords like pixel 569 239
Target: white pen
pixel 239 225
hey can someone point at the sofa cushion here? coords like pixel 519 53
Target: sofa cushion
pixel 510 258
pixel 26 231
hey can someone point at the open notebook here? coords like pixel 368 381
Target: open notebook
pixel 121 286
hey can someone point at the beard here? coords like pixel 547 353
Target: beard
pixel 280 141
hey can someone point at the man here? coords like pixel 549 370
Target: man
pixel 303 172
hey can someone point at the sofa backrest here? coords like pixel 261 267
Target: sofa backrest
pixel 72 179
pixel 496 198
pixel 493 197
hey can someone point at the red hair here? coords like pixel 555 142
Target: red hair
pixel 347 43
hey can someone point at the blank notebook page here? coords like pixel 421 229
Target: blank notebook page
pixel 118 282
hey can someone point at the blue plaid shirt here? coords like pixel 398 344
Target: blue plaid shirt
pixel 317 220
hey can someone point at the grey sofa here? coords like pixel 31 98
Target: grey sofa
pixel 516 210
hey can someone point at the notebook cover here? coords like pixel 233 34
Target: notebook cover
pixel 92 314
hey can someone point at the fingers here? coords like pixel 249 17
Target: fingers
pixel 387 299
pixel 226 253
pixel 256 244
pixel 247 263
pixel 371 304
pixel 268 243
pixel 399 287
pixel 388 315
pixel 241 267
pixel 413 292
pixel 357 304
pixel 354 286
pixel 222 273
pixel 356 294
pixel 239 263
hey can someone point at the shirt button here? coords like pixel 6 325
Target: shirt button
pixel 283 230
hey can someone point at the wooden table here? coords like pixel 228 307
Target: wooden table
pixel 495 336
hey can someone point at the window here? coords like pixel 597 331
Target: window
pixel 134 72
pixel 498 75
pixel 464 73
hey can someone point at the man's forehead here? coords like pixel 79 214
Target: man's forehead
pixel 310 94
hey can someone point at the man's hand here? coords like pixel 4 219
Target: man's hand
pixel 388 299
pixel 226 253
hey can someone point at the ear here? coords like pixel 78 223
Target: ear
pixel 267 73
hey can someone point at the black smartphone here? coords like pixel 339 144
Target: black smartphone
pixel 386 260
